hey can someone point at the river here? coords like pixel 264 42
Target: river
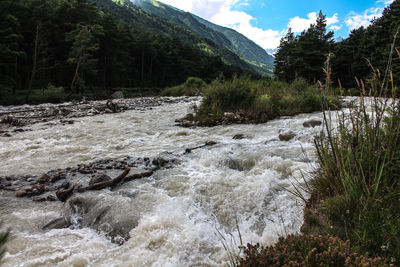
pixel 185 214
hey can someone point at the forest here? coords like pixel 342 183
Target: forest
pixel 77 46
pixel 352 61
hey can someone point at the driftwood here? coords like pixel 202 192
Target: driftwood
pixel 64 195
pixel 137 176
pixel 208 143
pixel 106 184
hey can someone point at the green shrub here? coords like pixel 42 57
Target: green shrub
pixel 227 96
pixel 192 87
pixel 306 250
pixel 261 100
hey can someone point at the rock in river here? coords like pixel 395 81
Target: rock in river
pixel 312 123
pixel 286 135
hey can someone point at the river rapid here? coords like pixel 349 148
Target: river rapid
pixel 185 214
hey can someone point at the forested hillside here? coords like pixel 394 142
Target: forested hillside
pixel 76 45
pixel 229 39
pixel 155 24
pixel 355 59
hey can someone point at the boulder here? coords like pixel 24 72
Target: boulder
pixel 286 135
pixel 43 179
pixel 238 137
pixel 117 95
pixel 21 193
pixel 312 123
pixel 108 215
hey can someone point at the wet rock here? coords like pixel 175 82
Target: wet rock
pixel 51 198
pixel 58 223
pixel 287 135
pixel 21 193
pixel 64 185
pixel 159 161
pixel 115 219
pixel 239 165
pixel 238 137
pixel 67 121
pixel 99 178
pixel 117 95
pixel 39 199
pixel 312 123
pixel 43 179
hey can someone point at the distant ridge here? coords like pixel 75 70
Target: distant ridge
pixel 161 19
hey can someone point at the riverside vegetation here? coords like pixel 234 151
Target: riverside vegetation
pixel 355 193
pixel 243 100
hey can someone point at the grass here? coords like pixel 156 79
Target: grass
pixel 260 100
pixel 355 194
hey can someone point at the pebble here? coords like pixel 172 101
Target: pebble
pixel 21 193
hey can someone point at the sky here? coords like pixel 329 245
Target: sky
pixel 267 21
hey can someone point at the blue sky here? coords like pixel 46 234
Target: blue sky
pixel 266 21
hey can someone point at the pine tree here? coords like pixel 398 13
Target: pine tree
pixel 284 58
pixel 10 49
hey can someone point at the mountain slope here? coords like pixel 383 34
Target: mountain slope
pixel 227 38
pixel 245 48
pixel 126 12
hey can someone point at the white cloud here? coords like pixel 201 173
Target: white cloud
pixel 224 13
pixel 386 2
pixel 300 24
pixel 335 27
pixel 355 20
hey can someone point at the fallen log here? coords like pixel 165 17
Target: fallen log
pixel 208 143
pixel 137 176
pixel 110 183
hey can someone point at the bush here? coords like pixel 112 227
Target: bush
pixel 306 250
pixel 227 96
pixel 261 100
pixel 192 87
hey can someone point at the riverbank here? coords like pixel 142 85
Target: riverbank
pixel 14 119
pixel 352 211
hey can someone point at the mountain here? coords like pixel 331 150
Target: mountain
pixel 160 19
pixel 224 37
pixel 272 51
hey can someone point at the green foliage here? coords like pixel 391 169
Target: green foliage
pixel 227 96
pixel 261 100
pixel 192 87
pixel 366 45
pixel 359 177
pixel 80 46
pixel 306 250
pixel 303 56
pixel 160 19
